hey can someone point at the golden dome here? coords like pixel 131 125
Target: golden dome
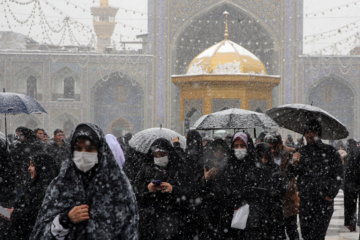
pixel 226 57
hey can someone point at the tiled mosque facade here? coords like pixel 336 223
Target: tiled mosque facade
pixel 130 92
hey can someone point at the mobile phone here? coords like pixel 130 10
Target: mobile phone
pixel 4 212
pixel 156 182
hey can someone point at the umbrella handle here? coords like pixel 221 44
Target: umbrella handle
pixel 6 142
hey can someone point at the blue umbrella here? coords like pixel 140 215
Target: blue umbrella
pixel 16 103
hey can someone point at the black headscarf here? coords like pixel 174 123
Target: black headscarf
pixel 261 149
pixel 112 204
pixel 45 171
pixel 174 159
pixel 194 148
pixel 211 147
pixel 27 206
pixel 351 146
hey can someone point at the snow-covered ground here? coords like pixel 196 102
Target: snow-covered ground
pixel 337 230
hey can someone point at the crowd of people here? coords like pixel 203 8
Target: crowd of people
pixel 91 186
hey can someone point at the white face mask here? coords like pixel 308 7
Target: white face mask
pixel 162 162
pixel 85 161
pixel 240 153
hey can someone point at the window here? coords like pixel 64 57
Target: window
pixel 31 87
pixel 69 87
pixel 328 95
pixel 121 94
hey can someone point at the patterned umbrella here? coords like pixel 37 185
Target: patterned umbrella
pixel 143 140
pixel 295 116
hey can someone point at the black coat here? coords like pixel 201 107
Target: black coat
pixel 133 163
pixel 160 212
pixel 278 188
pixel 351 187
pixel 7 171
pixel 20 154
pixel 26 208
pixel 319 172
pixel 58 153
pixel 245 182
pixel 211 203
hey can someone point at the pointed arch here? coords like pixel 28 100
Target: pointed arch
pixel 29 121
pixel 120 127
pixel 119 95
pixel 65 122
pixel 253 34
pixel 339 97
pixel 191 117
pixel 29 82
pixel 65 85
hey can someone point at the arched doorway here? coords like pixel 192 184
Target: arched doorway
pixel 335 96
pixel 29 121
pixel 118 96
pixel 65 122
pixel 191 117
pixel 120 127
pixel 206 29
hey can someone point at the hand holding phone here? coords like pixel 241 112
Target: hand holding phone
pixel 154 185
pixel 156 182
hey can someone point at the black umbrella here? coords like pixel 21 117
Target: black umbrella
pixel 15 103
pixel 295 116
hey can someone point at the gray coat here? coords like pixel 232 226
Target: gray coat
pixel 112 204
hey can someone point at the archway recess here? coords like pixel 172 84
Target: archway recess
pixel 118 97
pixel 336 97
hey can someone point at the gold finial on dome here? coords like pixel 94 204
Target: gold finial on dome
pixel 104 3
pixel 226 25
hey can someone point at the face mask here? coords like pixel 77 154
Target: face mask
pixel 162 162
pixel 240 153
pixel 85 161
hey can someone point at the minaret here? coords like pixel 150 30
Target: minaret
pixel 104 23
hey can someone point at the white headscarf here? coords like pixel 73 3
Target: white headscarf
pixel 115 149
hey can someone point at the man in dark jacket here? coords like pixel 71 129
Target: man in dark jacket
pixel 58 149
pixel 318 169
pixel 351 188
